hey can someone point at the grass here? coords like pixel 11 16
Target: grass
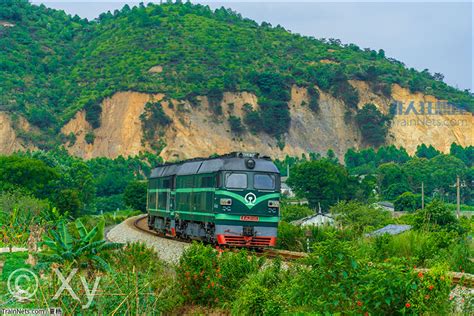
pixel 13 261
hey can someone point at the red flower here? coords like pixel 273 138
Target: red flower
pixel 407 305
pixel 431 287
pixel 366 314
pixel 420 274
pixel 359 303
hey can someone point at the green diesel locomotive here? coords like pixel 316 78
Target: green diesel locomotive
pixel 230 200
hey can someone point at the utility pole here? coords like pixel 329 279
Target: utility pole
pixel 422 195
pixel 458 198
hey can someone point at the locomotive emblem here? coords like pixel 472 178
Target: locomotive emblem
pixel 250 198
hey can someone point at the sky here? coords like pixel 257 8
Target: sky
pixel 434 35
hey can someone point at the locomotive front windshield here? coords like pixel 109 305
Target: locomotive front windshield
pixel 236 180
pixel 263 181
pixel 260 181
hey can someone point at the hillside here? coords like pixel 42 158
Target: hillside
pixel 184 80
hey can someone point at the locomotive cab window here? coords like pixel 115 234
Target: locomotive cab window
pixel 236 180
pixel 262 181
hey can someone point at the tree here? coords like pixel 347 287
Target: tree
pixel 422 151
pixel 321 181
pixel 291 213
pixel 68 201
pixel 373 124
pixel 407 202
pixel 391 180
pixel 436 216
pixel 135 195
pixel 465 154
pixel 30 174
pixel 236 125
pixel 358 216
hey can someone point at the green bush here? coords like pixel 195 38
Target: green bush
pixel 209 277
pixel 109 203
pixel 261 294
pixel 372 124
pixel 90 137
pixel 292 212
pixel 407 202
pixel 135 195
pixel 340 282
pixel 236 125
pixel 360 217
pixel 154 119
pixel 252 119
pixel 436 216
pixel 142 285
pixel 290 237
pixel 313 98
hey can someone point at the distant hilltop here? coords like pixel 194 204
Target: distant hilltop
pixel 181 80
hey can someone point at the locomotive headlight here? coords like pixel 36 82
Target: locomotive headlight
pixel 226 201
pixel 273 203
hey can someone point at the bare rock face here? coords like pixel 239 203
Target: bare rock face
pixel 411 128
pixel 196 130
pixel 9 142
pixel 120 132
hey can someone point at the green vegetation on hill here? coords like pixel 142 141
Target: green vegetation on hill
pixel 53 64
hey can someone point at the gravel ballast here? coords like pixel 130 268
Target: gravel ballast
pixel 167 249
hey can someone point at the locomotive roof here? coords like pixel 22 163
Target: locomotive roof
pixel 230 162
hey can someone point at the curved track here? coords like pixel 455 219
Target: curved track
pixel 141 224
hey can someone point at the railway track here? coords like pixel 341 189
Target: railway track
pixel 464 279
pixel 141 224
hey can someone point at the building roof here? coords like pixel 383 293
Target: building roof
pixel 390 229
pixel 319 218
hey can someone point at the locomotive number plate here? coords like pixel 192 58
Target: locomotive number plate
pixel 249 218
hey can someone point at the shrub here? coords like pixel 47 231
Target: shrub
pixel 360 217
pixel 154 119
pixel 291 212
pixel 313 98
pixel 68 201
pixel 41 118
pixel 340 282
pixel 135 195
pixel 275 116
pixel 141 285
pixel 252 119
pixel 236 125
pixel 372 124
pixel 109 203
pixel 436 216
pixel 90 137
pixel 209 277
pixel 261 294
pixel 26 203
pixel 290 237
pixel 407 202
